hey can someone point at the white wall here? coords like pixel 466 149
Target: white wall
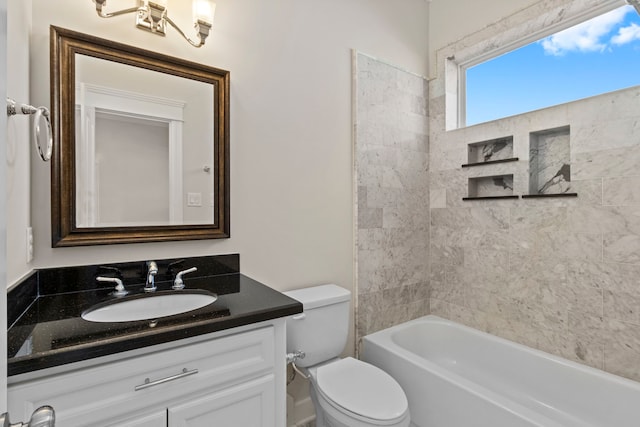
pixel 291 162
pixel 18 148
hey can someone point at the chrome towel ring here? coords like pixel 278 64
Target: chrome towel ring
pixel 39 113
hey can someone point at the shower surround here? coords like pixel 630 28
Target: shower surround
pixel 556 274
pixel 392 195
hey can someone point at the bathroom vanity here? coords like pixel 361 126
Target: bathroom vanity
pixel 223 364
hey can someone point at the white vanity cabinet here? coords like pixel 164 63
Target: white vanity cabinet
pixel 233 378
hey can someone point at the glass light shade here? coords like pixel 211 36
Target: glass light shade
pixel 203 10
pixel 161 3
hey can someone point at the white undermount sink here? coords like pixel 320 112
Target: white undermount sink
pixel 148 307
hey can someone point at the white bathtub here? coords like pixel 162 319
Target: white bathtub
pixel 455 376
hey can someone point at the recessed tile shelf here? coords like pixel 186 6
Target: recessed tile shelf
pixel 491 162
pixel 549 161
pixel 467 199
pixel 491 186
pixel 490 151
pixel 538 196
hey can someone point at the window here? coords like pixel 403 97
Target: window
pixel 594 57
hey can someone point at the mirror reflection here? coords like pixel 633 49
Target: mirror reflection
pixel 144 146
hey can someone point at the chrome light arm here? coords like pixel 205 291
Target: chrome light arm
pixel 202 28
pixel 153 17
pixel 101 3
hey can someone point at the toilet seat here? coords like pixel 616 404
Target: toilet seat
pixel 361 390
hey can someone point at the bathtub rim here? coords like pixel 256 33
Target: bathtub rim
pixel 386 335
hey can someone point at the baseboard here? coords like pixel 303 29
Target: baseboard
pixel 304 414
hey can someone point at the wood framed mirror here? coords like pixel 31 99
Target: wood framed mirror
pixel 141 145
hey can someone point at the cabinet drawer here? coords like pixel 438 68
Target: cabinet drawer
pixel 93 396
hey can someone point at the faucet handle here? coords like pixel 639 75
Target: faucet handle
pixel 178 283
pixel 120 290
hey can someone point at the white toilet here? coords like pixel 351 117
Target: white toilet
pixel 346 392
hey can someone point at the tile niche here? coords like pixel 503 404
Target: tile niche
pixel 499 150
pixel 549 163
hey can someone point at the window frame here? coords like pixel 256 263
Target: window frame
pixel 516 37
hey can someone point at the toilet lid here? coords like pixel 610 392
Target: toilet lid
pixel 362 389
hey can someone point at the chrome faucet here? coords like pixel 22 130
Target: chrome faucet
pixel 178 283
pixel 120 291
pixel 152 270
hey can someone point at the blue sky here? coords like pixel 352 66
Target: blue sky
pixel 597 56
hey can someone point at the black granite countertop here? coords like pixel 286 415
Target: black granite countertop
pixel 51 331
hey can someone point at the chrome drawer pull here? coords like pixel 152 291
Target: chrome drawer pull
pixel 148 383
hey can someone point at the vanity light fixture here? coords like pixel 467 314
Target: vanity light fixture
pixel 152 16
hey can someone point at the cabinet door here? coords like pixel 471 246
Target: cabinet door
pixel 250 404
pixel 157 419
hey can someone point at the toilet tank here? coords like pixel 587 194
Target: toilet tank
pixel 321 330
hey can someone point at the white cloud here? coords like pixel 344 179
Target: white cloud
pixel 626 34
pixel 589 36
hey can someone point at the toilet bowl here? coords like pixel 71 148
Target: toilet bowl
pixel 352 393
pixel 345 392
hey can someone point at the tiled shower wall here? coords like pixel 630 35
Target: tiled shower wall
pixel 392 195
pixel 558 274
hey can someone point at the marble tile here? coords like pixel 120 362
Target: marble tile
pixel 621 191
pixel 438 199
pixel 605 134
pixel 598 219
pixel 379 197
pixel 588 328
pixel 445 288
pixel 525 270
pixel 624 306
pixel 472 238
pixel 511 329
pixel 490 218
pixel 445 254
pixel 370 218
pixel 538 218
pixel 606 108
pixel 608 276
pixel 369 177
pixel 622 352
pixel 374 239
pixel 589 192
pixel 449 157
pixel 447 179
pixel 624 248
pixel 566 344
pixel 606 163
pixel 412 160
pixel 458 313
pixel 377 156
pixel 563 245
